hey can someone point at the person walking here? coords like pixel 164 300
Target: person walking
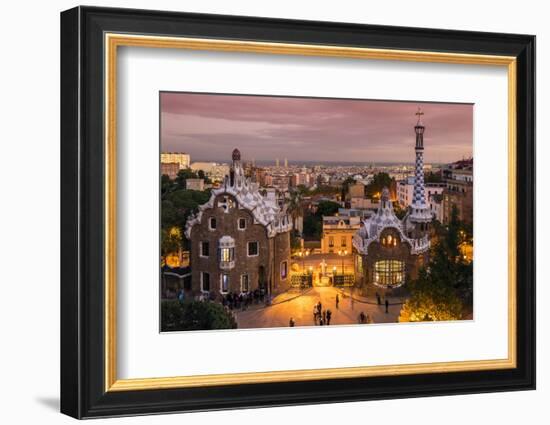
pixel 387 305
pixel 325 316
pixel 291 322
pixel 378 300
pixel 362 318
pixel 315 314
pixel 329 315
pixel 337 300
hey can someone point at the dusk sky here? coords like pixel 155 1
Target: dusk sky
pixel 209 127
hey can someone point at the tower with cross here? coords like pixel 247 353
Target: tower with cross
pixel 420 215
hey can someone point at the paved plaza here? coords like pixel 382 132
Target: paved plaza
pixel 300 308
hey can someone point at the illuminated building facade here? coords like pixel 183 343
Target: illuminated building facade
pixel 390 251
pixel 240 240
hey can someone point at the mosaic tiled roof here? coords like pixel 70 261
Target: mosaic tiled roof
pixel 372 227
pixel 247 194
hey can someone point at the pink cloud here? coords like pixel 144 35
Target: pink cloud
pixel 209 126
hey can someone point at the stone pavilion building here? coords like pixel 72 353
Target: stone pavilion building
pixel 389 251
pixel 240 240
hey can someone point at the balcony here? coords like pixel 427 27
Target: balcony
pixel 227 265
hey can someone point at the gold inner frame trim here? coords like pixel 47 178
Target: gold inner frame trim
pixel 113 41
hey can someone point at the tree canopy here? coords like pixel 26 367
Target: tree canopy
pixel 313 223
pixel 177 203
pixel 444 289
pixel 379 182
pixel 195 315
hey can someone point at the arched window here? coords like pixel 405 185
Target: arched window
pixel 226 252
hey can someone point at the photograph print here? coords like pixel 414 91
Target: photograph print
pixel 298 211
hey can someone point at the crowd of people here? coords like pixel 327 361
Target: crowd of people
pixel 321 317
pixel 244 300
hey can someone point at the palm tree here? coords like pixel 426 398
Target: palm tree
pixel 294 207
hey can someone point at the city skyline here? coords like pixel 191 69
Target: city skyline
pixel 311 129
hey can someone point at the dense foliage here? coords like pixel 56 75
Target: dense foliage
pixel 313 223
pixel 177 203
pixel 444 289
pixel 431 177
pixel 379 182
pixel 345 186
pixel 195 315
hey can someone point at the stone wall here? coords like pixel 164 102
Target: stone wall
pixel 272 251
pixel 227 225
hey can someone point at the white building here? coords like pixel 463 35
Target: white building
pixel 183 159
pixel 436 207
pixel 405 190
pixel 433 189
pixel 216 172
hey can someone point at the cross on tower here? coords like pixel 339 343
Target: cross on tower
pixel 419 113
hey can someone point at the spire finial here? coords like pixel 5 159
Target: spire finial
pixel 419 113
pixel 236 155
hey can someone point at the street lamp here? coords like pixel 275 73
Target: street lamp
pixel 343 253
pixel 303 254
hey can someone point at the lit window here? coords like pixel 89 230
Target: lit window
pixel 224 284
pixel 284 270
pixel 253 249
pixel 389 272
pixel 212 223
pixel 242 223
pixel 205 249
pixel 359 261
pixel 245 283
pixel 331 241
pixel 343 242
pixel 226 252
pixel 205 282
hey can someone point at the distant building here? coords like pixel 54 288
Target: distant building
pixel 363 203
pixel 436 207
pixel 215 172
pixel 356 190
pixel 280 182
pixel 183 159
pixel 240 240
pixel 433 189
pixel 405 191
pixel 354 212
pixel 338 233
pixel 303 178
pixel 459 191
pixel 169 169
pixel 194 184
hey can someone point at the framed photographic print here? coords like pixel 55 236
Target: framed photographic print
pixel 261 212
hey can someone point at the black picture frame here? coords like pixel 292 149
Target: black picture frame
pixel 83 392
